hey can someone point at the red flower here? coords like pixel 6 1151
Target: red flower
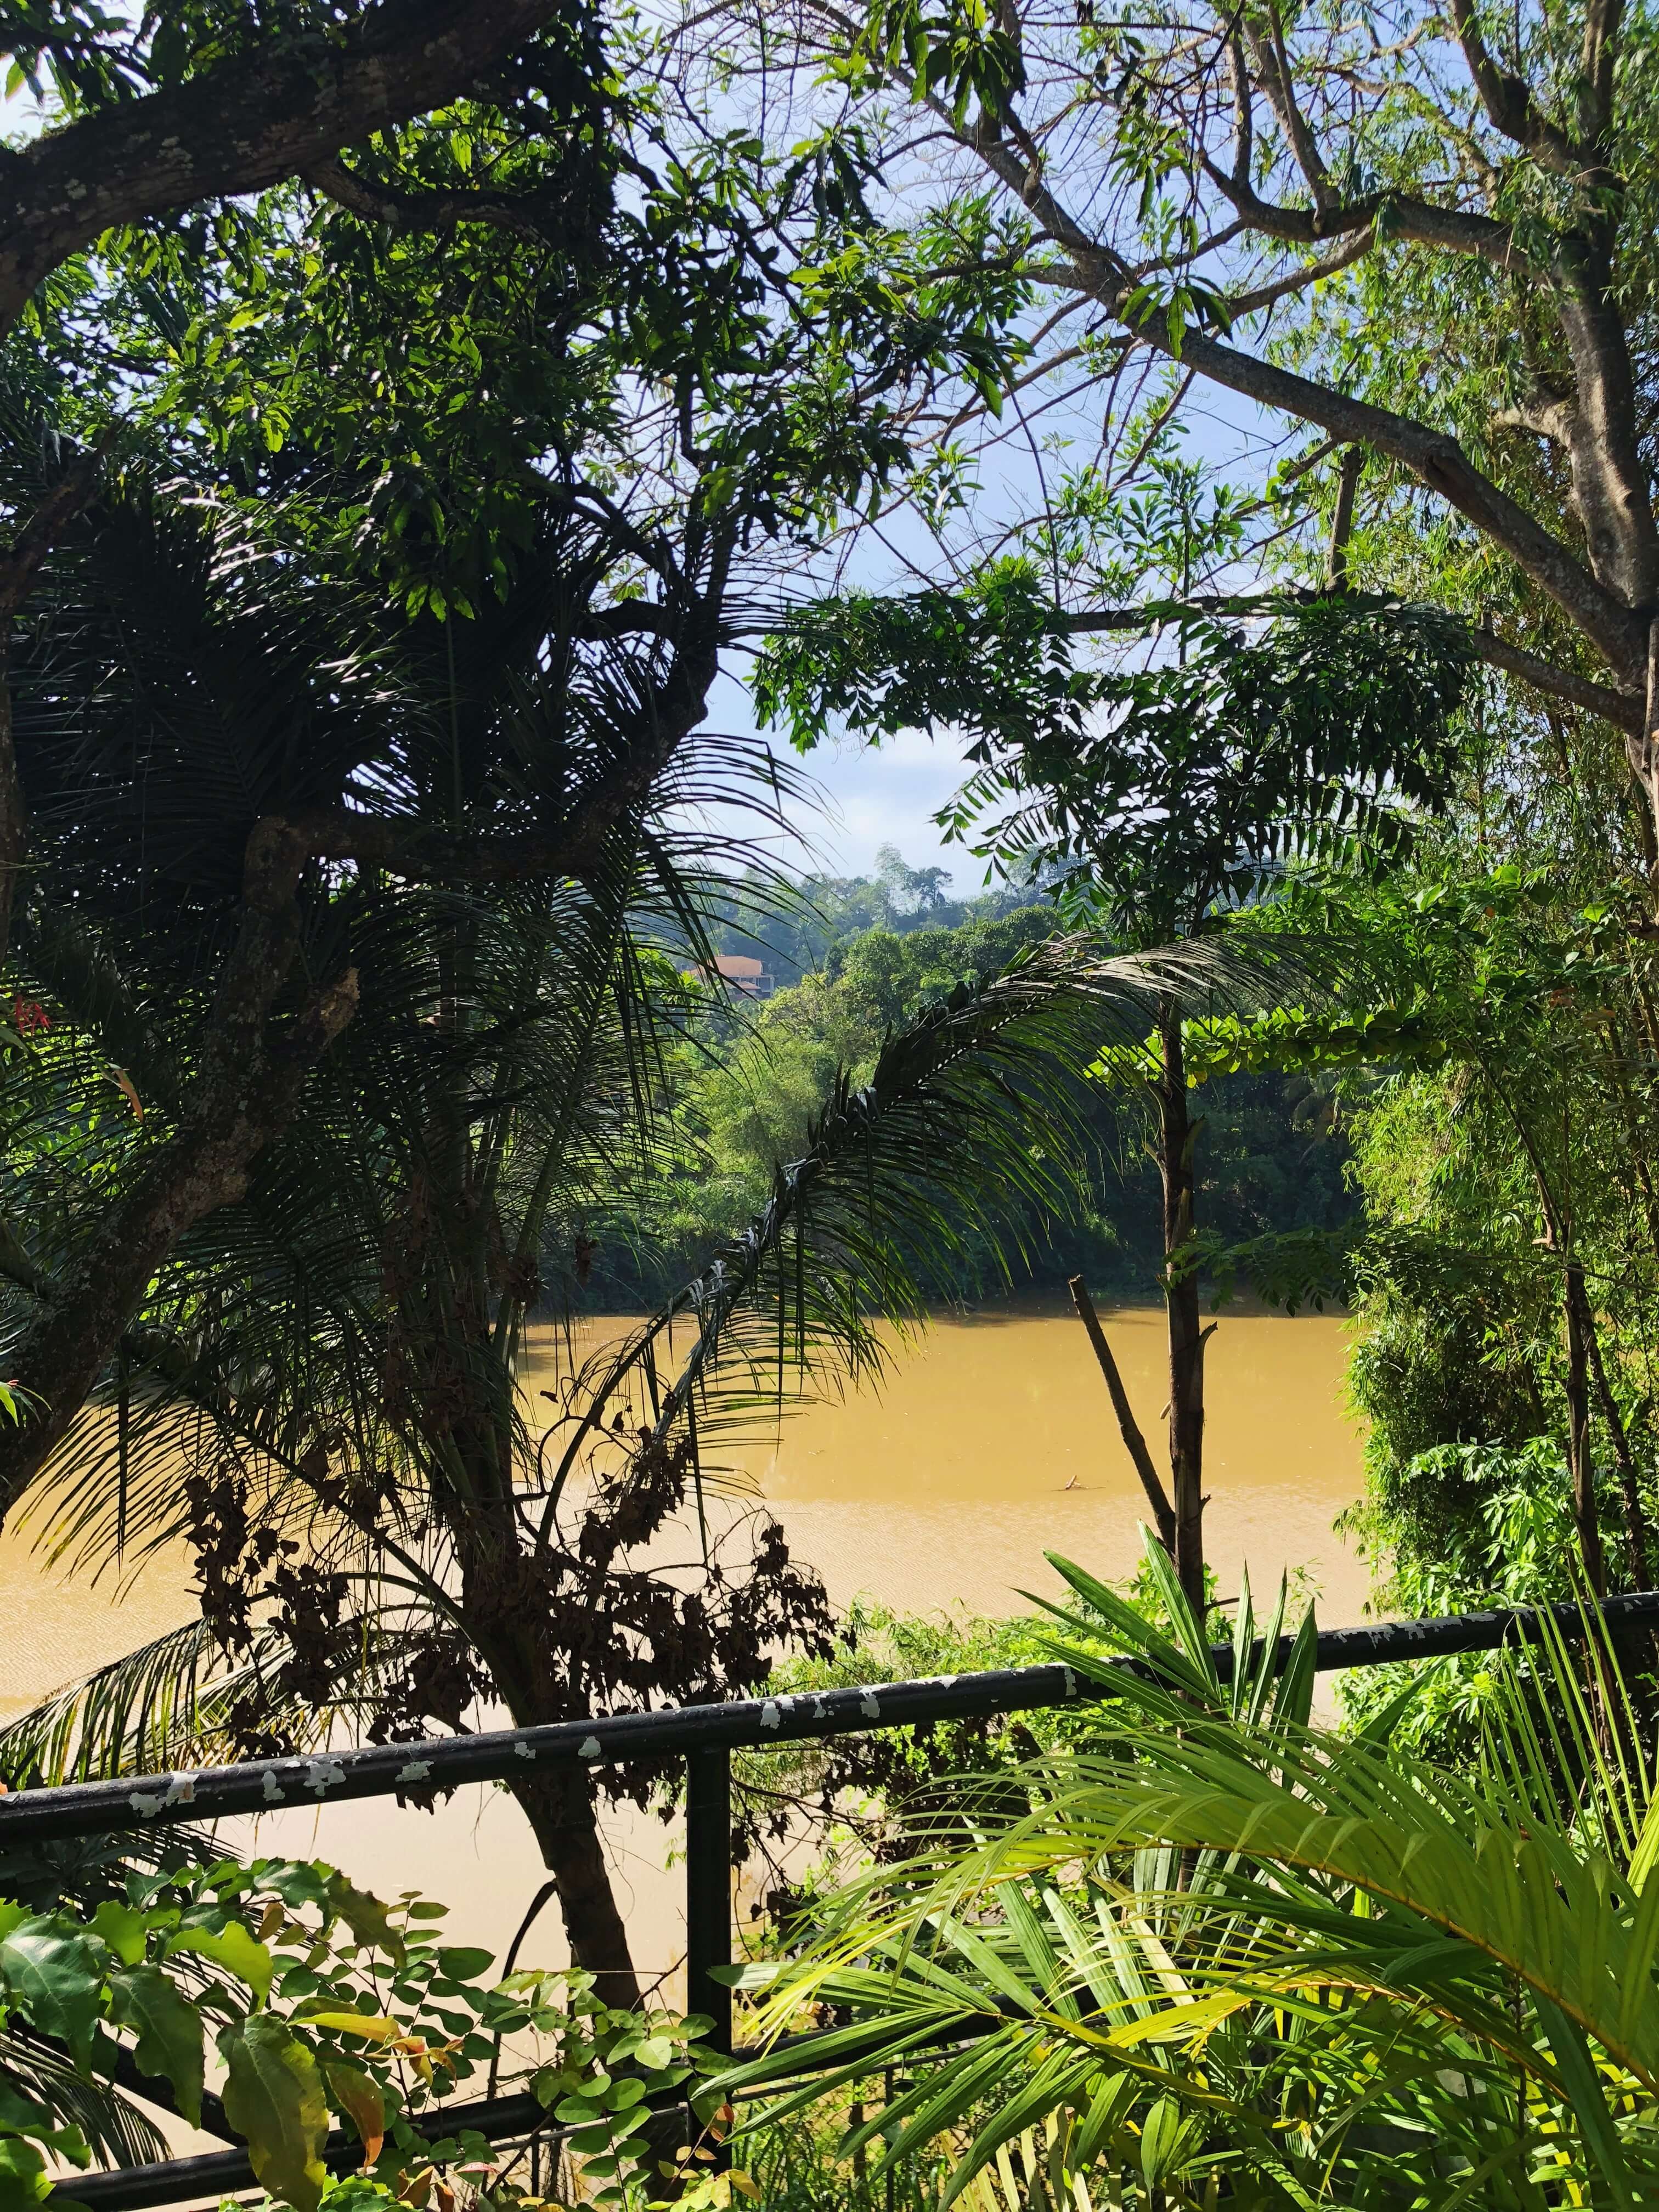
pixel 29 1015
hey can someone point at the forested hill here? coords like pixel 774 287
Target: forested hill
pixel 831 910
pixel 1271 1152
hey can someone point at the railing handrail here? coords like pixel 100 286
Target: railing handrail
pixel 705 1735
pixel 446 1762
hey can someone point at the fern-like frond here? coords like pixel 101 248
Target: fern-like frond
pixel 969 1131
pixel 180 1701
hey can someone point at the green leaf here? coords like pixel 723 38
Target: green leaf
pixel 374 2028
pixel 123 1928
pixel 231 1947
pixel 465 1964
pixel 369 1919
pixel 20 2115
pixel 1165 2139
pixel 169 2031
pixel 273 2096
pixel 359 2096
pixel 23 2182
pixel 55 1974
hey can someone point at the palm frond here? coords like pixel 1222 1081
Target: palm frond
pixel 970 1128
pixel 1296 1938
pixel 180 1701
pixel 118 2131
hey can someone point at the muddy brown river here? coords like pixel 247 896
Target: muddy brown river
pixel 992 1441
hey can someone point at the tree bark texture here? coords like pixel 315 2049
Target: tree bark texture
pixel 1580 1460
pixel 244 125
pixel 504 1616
pixel 245 1094
pixel 560 1808
pixel 1176 1138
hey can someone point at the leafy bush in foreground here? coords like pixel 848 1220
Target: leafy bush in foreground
pixel 322 2004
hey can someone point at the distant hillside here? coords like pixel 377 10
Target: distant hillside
pixel 828 911
pixel 744 1085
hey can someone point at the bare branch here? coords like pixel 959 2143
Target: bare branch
pixel 1599 56
pixel 1622 709
pixel 1252 303
pixel 1419 222
pixel 1134 1442
pixel 1544 416
pixel 1272 68
pixel 1336 560
pixel 402 211
pixel 1508 103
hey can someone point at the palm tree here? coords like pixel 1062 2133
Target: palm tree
pixel 319 1388
pixel 1225 1949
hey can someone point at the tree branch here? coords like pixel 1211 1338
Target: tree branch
pixel 1622 709
pixel 243 124
pixel 1265 295
pixel 245 1094
pixel 1454 230
pixel 402 211
pixel 1272 68
pixel 1544 416
pixel 1597 61
pixel 573 846
pixel 1347 488
pixel 1134 1442
pixel 1508 102
pixel 1435 458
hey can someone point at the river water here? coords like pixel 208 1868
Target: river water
pixel 991 1442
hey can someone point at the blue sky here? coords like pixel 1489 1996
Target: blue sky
pixel 869 796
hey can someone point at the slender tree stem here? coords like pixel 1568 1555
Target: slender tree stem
pixel 1635 1519
pixel 1177 1134
pixel 1574 1305
pixel 1156 1497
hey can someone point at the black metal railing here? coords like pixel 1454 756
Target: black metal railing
pixel 705 1736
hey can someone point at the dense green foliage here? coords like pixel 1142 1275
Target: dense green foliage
pixel 1236 1954
pixel 745 1084
pixel 380 525
pixel 1151 793
pixel 321 2001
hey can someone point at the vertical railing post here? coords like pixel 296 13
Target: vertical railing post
pixel 708 1886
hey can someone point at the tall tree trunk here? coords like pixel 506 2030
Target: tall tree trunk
pixel 1635 1519
pixel 1176 1136
pixel 560 1807
pixel 1575 1307
pixel 505 1623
